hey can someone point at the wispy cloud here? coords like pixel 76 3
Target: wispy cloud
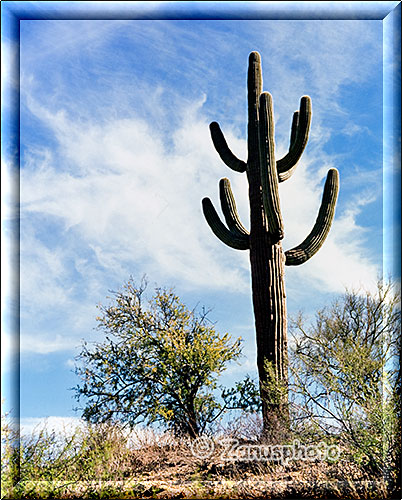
pixel 130 199
pixel 112 180
pixel 62 426
pixel 142 211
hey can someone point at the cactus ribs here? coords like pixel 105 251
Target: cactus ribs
pixel 267 258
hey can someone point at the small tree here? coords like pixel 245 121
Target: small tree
pixel 345 374
pixel 159 362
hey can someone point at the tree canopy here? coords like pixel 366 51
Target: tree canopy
pixel 345 371
pixel 158 362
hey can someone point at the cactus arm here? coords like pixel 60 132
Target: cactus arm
pixel 229 209
pixel 295 124
pixel 299 136
pixel 300 254
pixel 269 177
pixel 233 240
pixel 223 150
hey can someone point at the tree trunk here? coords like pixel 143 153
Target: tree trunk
pixel 192 426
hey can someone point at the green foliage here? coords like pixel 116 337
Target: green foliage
pixel 276 389
pixel 106 461
pixel 245 395
pixel 87 463
pixel 345 374
pixel 9 455
pixel 158 362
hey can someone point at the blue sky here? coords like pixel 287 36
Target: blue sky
pixel 116 157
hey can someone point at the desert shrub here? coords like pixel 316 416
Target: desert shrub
pixel 345 372
pixel 50 464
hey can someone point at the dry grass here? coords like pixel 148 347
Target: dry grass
pixel 104 462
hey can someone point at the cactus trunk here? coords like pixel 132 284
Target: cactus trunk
pixel 269 302
pixel 267 259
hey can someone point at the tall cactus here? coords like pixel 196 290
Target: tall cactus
pixel 267 258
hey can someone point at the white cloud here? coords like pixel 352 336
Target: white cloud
pixel 70 363
pixel 148 208
pixel 341 261
pixel 62 426
pixel 122 195
pixel 124 202
pixel 319 59
pixel 66 427
pixel 47 342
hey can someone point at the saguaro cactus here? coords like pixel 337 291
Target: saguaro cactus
pixel 267 258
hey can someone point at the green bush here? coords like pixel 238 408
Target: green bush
pixel 345 372
pixel 159 362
